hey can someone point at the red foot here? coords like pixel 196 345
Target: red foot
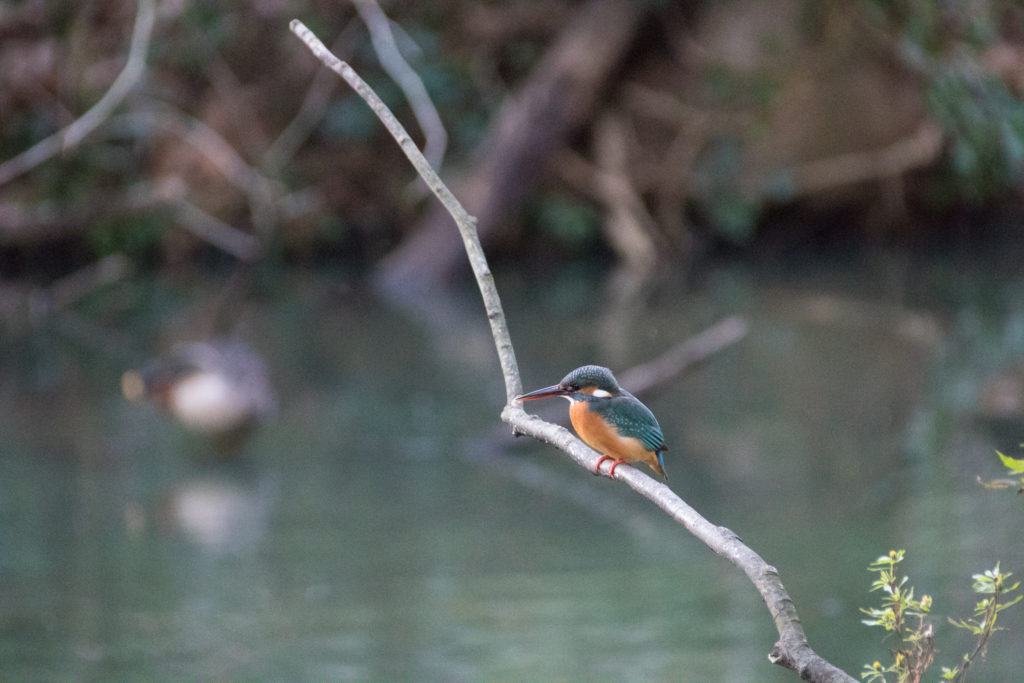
pixel 611 471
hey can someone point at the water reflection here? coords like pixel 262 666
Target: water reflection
pixel 224 511
pixel 385 527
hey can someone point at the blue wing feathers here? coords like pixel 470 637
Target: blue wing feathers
pixel 633 419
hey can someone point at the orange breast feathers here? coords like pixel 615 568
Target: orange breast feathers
pixel 605 439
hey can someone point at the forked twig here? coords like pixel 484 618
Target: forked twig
pixel 408 80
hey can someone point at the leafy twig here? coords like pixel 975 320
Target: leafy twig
pixel 914 651
pixel 993 583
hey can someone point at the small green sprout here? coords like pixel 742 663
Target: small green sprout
pixel 904 619
pixel 994 584
pixel 914 649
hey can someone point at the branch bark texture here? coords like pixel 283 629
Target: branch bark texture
pixel 792 649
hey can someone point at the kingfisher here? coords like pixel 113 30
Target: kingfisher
pixel 608 418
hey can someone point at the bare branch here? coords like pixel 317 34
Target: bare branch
pixel 919 149
pixel 260 190
pixel 200 137
pixel 668 365
pixel 407 79
pixel 551 105
pixel 792 649
pixel 465 223
pixel 79 284
pixel 74 133
pixel 213 230
pixel 314 106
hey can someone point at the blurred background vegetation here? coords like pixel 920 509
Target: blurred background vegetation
pixel 717 124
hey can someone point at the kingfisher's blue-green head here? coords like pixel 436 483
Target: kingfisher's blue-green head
pixel 592 381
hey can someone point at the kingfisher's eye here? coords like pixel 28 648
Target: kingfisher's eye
pixel 573 386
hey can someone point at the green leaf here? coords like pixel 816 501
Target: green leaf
pixel 1015 465
pixel 1009 604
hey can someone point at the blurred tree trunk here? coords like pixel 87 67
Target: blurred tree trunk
pixel 555 101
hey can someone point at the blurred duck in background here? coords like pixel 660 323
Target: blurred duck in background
pixel 215 388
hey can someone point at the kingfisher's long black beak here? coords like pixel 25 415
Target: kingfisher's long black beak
pixel 553 390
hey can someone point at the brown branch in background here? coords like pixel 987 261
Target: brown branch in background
pixel 263 195
pixel 266 197
pixel 556 100
pixel 673 185
pixel 792 649
pixel 408 80
pixel 670 177
pixel 261 192
pixel 914 151
pixel 25 223
pixel 79 284
pixel 172 192
pixel 629 227
pixel 23 309
pixel 70 136
pixel 314 106
pixel 200 137
pixel 678 359
pixel 213 230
